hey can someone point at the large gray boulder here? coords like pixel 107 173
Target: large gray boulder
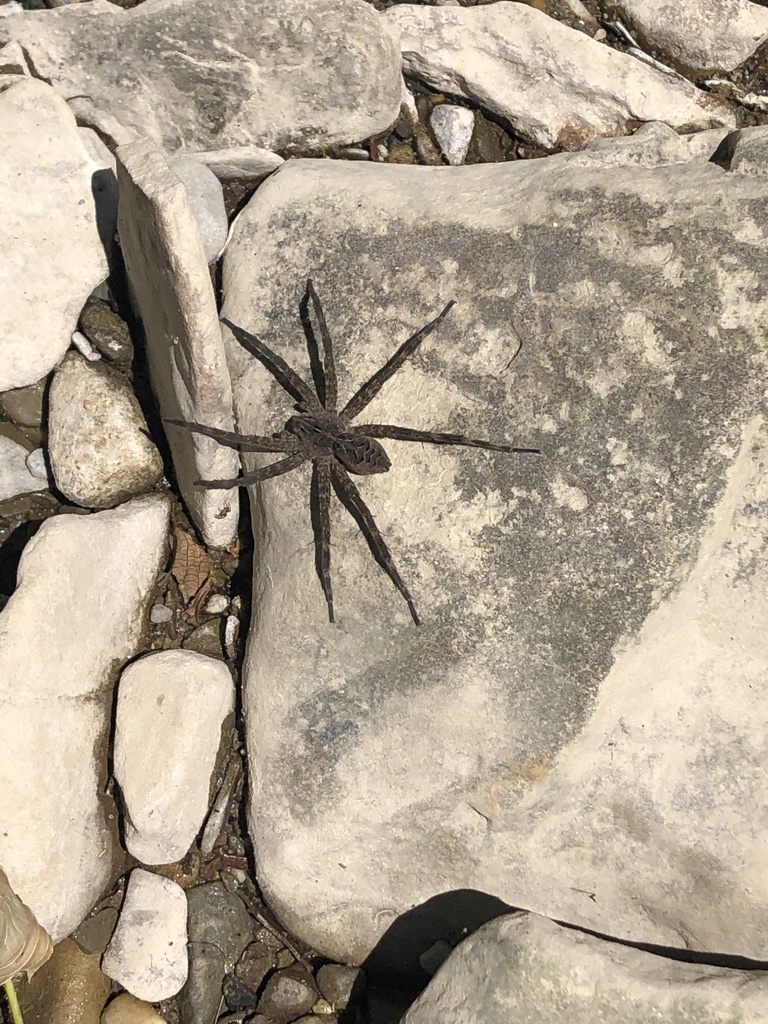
pixel 524 968
pixel 577 727
pixel 201 75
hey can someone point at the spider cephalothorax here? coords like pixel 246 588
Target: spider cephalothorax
pixel 325 436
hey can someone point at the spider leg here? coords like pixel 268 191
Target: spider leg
pixel 264 473
pixel 286 377
pixel 244 442
pixel 328 367
pixel 320 507
pixel 372 387
pixel 353 502
pixel 429 437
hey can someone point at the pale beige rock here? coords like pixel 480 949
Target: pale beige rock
pixel 581 711
pixel 97 436
pixel 278 74
pixel 555 85
pixel 127 1009
pixel 52 255
pixel 698 35
pixel 148 951
pixel 170 708
pixel 525 967
pixel 172 290
pixel 84 584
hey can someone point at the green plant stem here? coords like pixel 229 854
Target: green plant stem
pixel 13 1002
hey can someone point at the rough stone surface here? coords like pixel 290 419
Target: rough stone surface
pixel 207 76
pixel 219 930
pixel 97 436
pixel 288 994
pixel 524 967
pixel 581 710
pixel 698 35
pixel 148 952
pixel 52 255
pixel 15 475
pixel 453 128
pixel 84 583
pixel 172 290
pixel 170 708
pixel 337 981
pixel 508 57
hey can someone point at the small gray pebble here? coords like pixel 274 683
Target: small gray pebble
pixel 25 405
pixel 435 956
pixel 37 465
pixel 288 994
pixel 160 613
pixel 336 982
pixel 95 932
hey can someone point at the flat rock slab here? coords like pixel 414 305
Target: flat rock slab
pixel 172 290
pixel 84 584
pixel 695 35
pixel 170 708
pixel 524 967
pixel 509 58
pixel 51 255
pixel 210 76
pixel 577 727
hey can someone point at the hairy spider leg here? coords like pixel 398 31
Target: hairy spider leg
pixel 352 500
pixel 285 376
pixel 320 509
pixel 265 473
pixel 323 370
pixel 373 386
pixel 429 437
pixel 243 442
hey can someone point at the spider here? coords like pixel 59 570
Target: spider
pixel 322 434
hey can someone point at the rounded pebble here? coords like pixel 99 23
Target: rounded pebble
pixel 127 1009
pixel 160 613
pixel 217 605
pixel 37 465
pixel 288 994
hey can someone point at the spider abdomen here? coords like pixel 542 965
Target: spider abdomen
pixel 361 455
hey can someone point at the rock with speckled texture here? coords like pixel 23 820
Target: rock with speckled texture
pixel 582 709
pixel 98 445
pixel 525 967
pixel 210 76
